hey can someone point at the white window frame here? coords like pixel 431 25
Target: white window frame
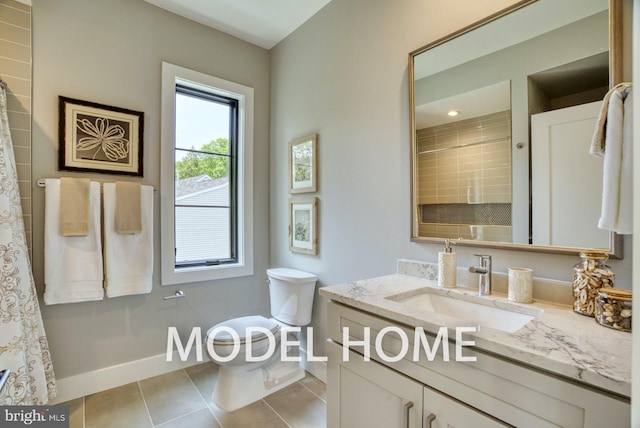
pixel 171 75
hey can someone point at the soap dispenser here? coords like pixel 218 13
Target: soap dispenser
pixel 447 266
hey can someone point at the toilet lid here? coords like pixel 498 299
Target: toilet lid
pixel 239 325
pixel 291 275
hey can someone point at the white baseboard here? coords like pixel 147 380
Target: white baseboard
pixel 77 386
pixel 316 368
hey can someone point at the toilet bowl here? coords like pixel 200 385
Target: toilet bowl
pixel 248 344
pixel 248 349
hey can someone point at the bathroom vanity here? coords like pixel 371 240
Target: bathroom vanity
pixel 538 365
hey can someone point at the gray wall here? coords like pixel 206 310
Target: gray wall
pixel 110 52
pixel 635 366
pixel 344 75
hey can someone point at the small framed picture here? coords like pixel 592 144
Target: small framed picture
pixel 303 165
pixel 303 225
pixel 99 138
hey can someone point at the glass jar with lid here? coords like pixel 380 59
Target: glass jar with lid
pixel 613 308
pixel 589 276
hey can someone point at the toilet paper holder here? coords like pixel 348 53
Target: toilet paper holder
pixel 178 294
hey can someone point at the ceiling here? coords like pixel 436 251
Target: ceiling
pixel 261 22
pixel 470 104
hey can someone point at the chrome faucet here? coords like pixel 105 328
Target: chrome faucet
pixel 484 270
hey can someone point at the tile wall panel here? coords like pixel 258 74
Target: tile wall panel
pixel 478 173
pixel 465 189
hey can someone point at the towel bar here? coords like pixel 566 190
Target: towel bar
pixel 42 183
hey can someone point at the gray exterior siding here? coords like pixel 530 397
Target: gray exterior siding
pixel 203 233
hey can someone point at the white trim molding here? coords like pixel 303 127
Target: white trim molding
pixel 72 387
pixel 84 384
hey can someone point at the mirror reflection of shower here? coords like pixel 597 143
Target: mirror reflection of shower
pixel 464 165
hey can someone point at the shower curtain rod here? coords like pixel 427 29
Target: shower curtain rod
pixel 444 149
pixel 42 183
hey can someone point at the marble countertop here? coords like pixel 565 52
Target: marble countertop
pixel 557 340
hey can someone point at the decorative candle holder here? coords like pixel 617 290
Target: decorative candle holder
pixel 520 285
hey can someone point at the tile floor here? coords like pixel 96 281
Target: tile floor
pixel 183 399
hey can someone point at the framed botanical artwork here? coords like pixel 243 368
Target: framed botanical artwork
pixel 99 138
pixel 303 164
pixel 303 225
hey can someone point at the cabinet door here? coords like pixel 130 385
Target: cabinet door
pixel 441 411
pixel 367 394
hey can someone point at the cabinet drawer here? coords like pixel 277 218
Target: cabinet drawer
pixel 441 411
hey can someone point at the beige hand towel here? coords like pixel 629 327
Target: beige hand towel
pixel 127 218
pixel 74 206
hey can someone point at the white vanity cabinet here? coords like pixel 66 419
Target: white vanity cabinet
pixel 490 392
pixel 368 394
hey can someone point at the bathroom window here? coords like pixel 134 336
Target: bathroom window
pixel 206 221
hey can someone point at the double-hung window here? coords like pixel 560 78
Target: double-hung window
pixel 207 127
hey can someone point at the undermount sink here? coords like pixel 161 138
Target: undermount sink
pixel 470 310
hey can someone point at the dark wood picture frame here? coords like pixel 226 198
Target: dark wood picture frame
pixel 99 138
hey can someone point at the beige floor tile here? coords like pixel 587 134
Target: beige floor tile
pixel 299 407
pixel 76 412
pixel 173 401
pixel 256 415
pixel 315 385
pixel 170 396
pixel 202 418
pixel 204 377
pixel 117 408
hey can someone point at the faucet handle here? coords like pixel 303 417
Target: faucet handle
pixel 484 259
pixel 483 256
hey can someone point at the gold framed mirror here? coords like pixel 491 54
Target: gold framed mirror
pixel 492 176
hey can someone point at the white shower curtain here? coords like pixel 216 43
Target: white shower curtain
pixel 23 344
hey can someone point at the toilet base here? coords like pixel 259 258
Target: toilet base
pixel 238 387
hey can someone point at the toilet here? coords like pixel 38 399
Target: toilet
pixel 248 349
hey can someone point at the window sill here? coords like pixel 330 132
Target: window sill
pixel 187 275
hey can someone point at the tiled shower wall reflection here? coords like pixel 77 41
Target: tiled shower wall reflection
pixel 466 165
pixel 15 70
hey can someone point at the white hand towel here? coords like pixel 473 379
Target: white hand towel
pixel 128 257
pixel 617 201
pixel 72 264
pixel 624 225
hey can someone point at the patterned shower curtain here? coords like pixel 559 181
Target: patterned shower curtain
pixel 23 344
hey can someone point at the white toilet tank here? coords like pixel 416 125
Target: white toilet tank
pixel 292 294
